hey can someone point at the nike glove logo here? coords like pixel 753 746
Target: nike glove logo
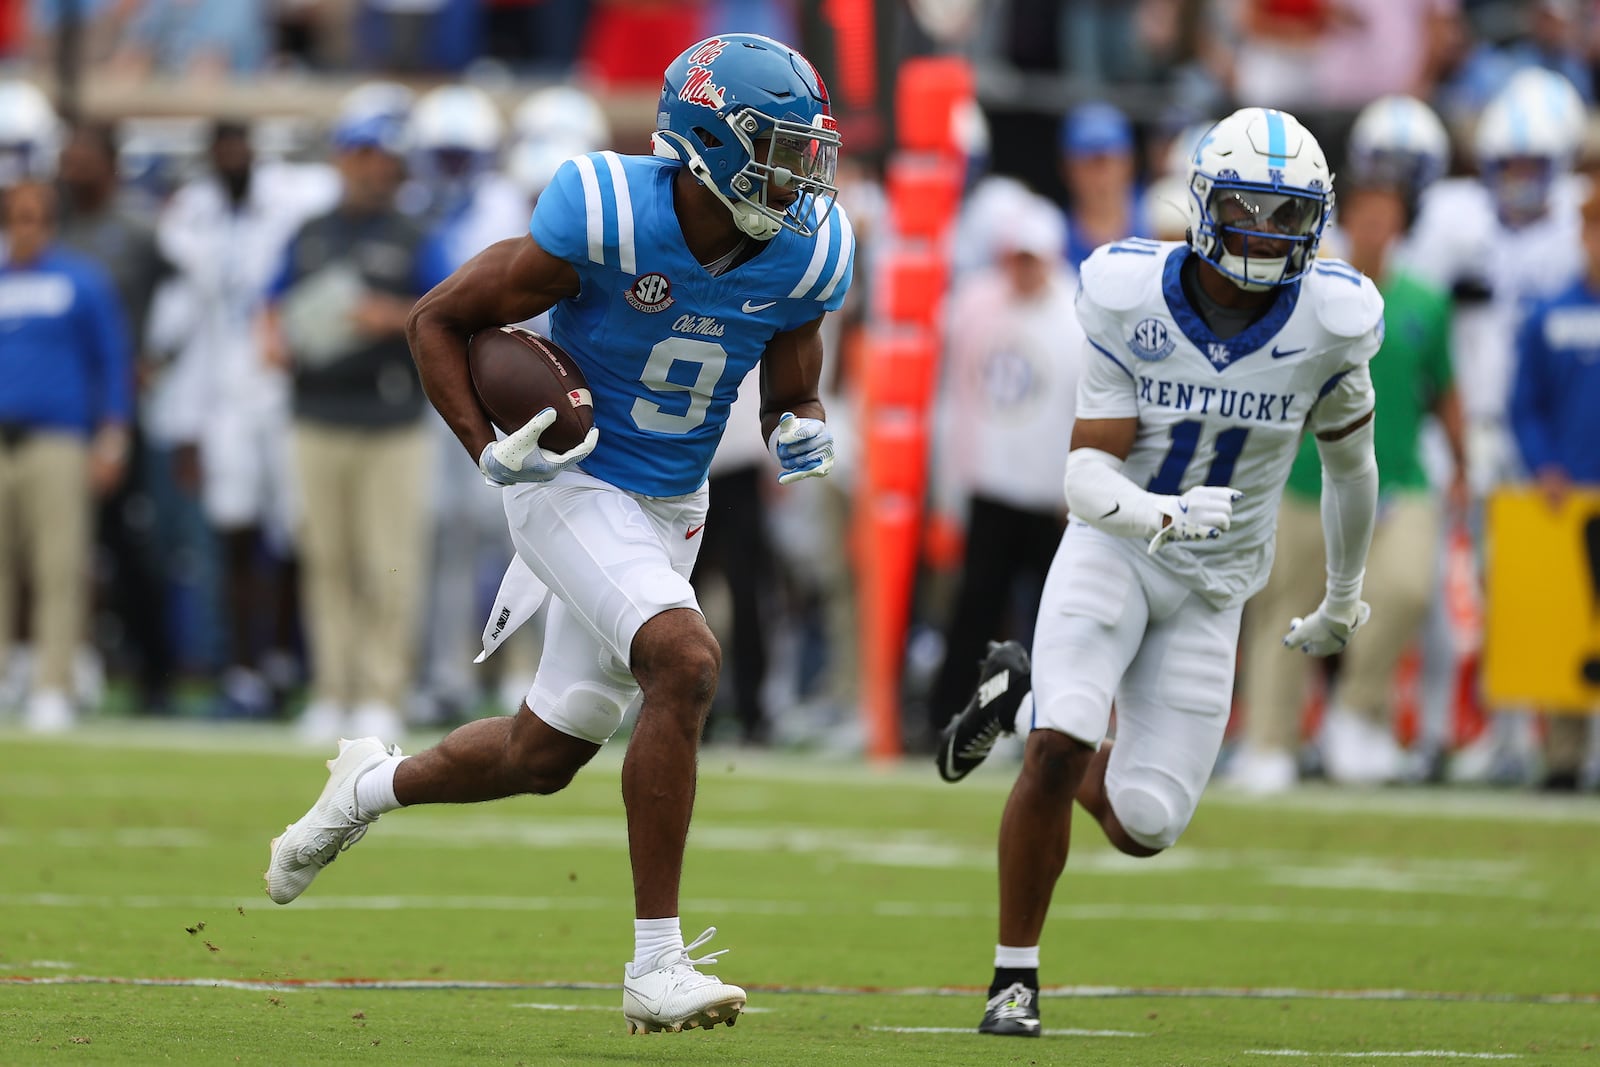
pixel 1113 511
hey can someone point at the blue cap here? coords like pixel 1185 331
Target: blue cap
pixel 1095 129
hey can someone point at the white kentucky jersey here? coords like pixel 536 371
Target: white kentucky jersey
pixel 1216 411
pixel 664 343
pixel 1458 237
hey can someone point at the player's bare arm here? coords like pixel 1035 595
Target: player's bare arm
pixel 791 412
pixel 791 376
pixel 509 281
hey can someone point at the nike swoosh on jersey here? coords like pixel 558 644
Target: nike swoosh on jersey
pixel 1286 353
pixel 751 309
pixel 688 535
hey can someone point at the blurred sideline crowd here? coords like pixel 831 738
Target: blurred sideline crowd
pixel 223 493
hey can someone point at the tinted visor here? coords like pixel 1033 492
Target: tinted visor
pixel 809 154
pixel 1263 212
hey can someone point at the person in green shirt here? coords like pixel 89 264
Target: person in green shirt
pixel 1411 375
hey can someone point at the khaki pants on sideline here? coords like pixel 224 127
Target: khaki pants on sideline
pixel 1566 742
pixel 364 541
pixel 44 526
pixel 1401 572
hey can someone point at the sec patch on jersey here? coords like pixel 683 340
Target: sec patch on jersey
pixel 518 373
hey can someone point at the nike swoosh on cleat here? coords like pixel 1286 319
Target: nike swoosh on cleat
pixel 751 309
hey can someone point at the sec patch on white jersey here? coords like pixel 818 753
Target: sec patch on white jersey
pixel 1222 411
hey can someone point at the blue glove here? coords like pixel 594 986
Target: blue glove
pixel 804 448
pixel 519 458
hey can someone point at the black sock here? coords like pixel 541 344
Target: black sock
pixel 1004 977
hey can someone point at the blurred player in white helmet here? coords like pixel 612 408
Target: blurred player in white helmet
pixel 227 408
pixel 1499 241
pixel 30 133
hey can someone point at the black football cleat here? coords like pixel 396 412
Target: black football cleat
pixel 1004 678
pixel 1012 1012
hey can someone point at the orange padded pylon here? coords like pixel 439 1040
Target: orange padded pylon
pixel 897 453
pixel 889 559
pixel 899 368
pixel 926 93
pixel 924 194
pixel 914 280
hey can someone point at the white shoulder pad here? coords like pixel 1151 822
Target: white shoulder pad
pixel 1347 303
pixel 1122 275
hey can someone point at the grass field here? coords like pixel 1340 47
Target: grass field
pixel 857 902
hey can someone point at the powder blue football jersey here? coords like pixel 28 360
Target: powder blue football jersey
pixel 664 344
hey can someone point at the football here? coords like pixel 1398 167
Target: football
pixel 519 373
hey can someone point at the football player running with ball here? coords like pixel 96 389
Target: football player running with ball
pixel 669 278
pixel 1210 359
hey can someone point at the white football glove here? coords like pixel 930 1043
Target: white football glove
pixel 1201 514
pixel 519 458
pixel 804 448
pixel 1320 634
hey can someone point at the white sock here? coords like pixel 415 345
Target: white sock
pixel 375 789
pixel 1023 724
pixel 652 937
pixel 1017 959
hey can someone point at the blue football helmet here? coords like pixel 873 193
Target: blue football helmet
pixel 1260 193
pixel 723 96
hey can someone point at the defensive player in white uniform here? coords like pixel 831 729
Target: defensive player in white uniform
pixel 1209 361
pixel 668 278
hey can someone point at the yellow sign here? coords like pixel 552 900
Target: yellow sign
pixel 1542 610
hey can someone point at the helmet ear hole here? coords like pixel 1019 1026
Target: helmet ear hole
pixel 707 138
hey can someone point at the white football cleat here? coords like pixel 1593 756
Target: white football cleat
pixel 332 825
pixel 673 996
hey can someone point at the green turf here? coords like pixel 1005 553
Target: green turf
pixel 136 854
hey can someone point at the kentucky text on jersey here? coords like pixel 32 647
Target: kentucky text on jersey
pixel 1228 403
pixel 1222 411
pixel 664 344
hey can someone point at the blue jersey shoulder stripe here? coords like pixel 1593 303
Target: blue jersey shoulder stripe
pixel 594 209
pixel 847 242
pixel 819 259
pixel 1104 351
pixel 623 201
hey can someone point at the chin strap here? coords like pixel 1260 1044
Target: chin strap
pixel 750 219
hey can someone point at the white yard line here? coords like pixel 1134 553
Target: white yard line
pixel 1070 1032
pixel 755 767
pixel 1418 1054
pixel 1077 992
pixel 537 1006
pixel 887 909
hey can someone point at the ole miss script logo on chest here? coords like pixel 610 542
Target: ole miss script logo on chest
pixel 650 293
